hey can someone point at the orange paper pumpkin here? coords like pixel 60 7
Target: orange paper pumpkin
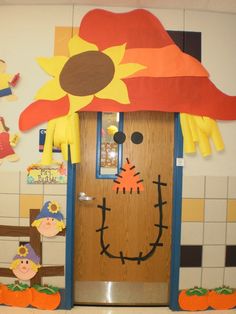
pixel 1 293
pixel 195 299
pixel 17 294
pixel 45 297
pixel 223 298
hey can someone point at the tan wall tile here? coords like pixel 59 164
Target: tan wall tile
pixel 57 281
pixel 231 211
pixel 216 187
pixel 29 201
pixel 9 182
pixel 53 253
pixel 9 205
pixel 55 189
pixel 193 186
pixel 192 209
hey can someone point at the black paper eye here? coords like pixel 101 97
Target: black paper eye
pixel 137 138
pixel 119 137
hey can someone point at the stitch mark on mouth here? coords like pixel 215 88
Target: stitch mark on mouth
pixel 140 258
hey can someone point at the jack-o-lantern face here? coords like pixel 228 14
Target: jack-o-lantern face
pixel 48 227
pixel 24 270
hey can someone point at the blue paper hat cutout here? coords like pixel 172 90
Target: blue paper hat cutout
pixel 45 213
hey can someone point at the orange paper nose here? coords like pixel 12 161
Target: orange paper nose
pixel 128 179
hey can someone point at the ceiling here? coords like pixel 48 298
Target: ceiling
pixel 206 5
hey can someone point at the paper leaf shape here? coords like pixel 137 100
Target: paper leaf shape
pixel 49 221
pixel 25 263
pixel 128 180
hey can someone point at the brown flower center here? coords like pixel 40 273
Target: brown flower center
pixel 53 207
pixel 87 73
pixel 22 250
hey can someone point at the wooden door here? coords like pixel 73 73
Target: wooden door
pixel 123 239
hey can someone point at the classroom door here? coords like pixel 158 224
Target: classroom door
pixel 123 236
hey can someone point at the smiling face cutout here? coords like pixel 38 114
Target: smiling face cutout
pixel 25 269
pixel 48 227
pixel 25 263
pixel 49 221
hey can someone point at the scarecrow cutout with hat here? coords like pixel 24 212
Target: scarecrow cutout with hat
pixel 25 263
pixel 49 221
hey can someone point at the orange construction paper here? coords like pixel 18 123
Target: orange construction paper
pixel 167 61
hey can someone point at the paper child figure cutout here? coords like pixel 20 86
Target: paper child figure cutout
pixel 6 143
pixel 49 221
pixel 25 264
pixel 7 81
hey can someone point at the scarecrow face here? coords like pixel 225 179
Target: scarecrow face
pixel 48 227
pixel 24 270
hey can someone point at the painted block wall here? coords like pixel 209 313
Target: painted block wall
pixel 27 32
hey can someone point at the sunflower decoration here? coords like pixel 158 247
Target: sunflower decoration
pixel 85 74
pixel 53 207
pixel 22 251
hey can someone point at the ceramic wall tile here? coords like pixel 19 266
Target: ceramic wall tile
pixel 215 210
pixel 214 233
pixel 192 209
pixel 216 187
pixel 193 187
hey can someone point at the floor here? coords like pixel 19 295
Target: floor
pixel 103 310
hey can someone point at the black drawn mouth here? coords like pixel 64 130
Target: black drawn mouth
pixel 153 246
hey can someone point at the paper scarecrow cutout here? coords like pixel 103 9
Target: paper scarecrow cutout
pixel 7 141
pixel 7 81
pixel 26 263
pixel 122 62
pixel 49 221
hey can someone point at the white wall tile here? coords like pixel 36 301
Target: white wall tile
pixel 230 277
pixel 231 233
pixel 212 277
pixel 213 256
pixel 9 205
pixel 8 250
pixel 53 253
pixel 189 277
pixel 232 187
pixel 216 187
pixel 10 182
pixel 193 187
pixel 55 189
pixel 191 233
pixel 57 281
pixel 215 210
pixel 214 233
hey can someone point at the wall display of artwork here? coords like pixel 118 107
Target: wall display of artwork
pixel 7 82
pixel 54 174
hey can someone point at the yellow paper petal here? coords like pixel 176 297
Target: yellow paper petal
pixel 52 66
pixel 78 45
pixel 116 53
pixel 50 91
pixel 124 70
pixel 77 102
pixel 189 146
pixel 75 136
pixel 48 145
pixel 116 90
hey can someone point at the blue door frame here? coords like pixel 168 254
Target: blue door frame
pixel 176 225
